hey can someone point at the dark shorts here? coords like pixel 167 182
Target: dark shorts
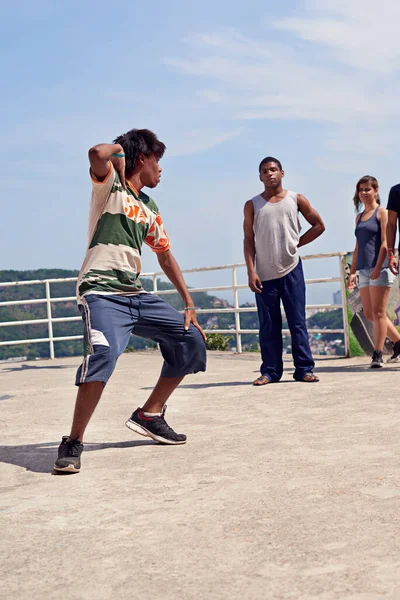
pixel 109 322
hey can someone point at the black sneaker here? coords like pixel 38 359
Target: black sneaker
pixel 396 353
pixel 377 360
pixel 155 427
pixel 69 456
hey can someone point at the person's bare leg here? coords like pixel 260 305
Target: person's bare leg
pixel 366 303
pixel 160 394
pixel 392 332
pixel 379 299
pixel 87 399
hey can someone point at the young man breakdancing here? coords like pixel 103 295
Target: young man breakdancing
pixel 110 296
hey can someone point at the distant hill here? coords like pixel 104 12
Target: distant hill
pixel 69 309
pixel 329 320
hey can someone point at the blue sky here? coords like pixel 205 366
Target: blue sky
pixel 313 82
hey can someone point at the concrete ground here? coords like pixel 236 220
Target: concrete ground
pixel 285 491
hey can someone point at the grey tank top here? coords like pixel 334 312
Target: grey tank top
pixel 277 233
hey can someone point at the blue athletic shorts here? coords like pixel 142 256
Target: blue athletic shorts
pixel 385 279
pixel 109 322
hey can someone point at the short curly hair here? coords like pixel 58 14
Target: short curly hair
pixel 136 142
pixel 268 159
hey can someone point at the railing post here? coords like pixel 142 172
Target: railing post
pixel 49 319
pixel 346 331
pixel 237 314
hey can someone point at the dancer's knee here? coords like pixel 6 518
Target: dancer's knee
pixel 98 365
pixel 186 356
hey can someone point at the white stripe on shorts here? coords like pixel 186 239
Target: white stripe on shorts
pixel 85 365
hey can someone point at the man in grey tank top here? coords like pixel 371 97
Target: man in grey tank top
pixel 271 242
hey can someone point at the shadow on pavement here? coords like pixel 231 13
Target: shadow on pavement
pixel 353 369
pixel 201 386
pixel 39 458
pixel 35 368
pixel 335 368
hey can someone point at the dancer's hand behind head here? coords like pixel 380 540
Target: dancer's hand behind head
pixel 119 165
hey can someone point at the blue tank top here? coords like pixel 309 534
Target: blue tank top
pixel 368 234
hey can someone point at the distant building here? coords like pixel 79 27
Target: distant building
pixel 337 297
pixel 212 323
pixel 14 359
pixel 220 303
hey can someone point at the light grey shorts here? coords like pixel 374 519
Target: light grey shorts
pixel 385 279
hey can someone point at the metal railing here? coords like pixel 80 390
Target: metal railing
pixel 48 300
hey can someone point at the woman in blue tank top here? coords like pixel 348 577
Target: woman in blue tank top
pixel 370 260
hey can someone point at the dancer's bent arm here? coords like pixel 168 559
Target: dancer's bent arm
pixel 171 269
pixel 102 156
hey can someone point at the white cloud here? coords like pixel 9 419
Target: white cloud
pixel 358 140
pixel 73 135
pixel 198 140
pixel 278 84
pixel 361 33
pixel 342 77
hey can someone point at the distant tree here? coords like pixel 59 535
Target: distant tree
pixel 329 319
pixel 252 348
pixel 218 341
pixel 73 328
